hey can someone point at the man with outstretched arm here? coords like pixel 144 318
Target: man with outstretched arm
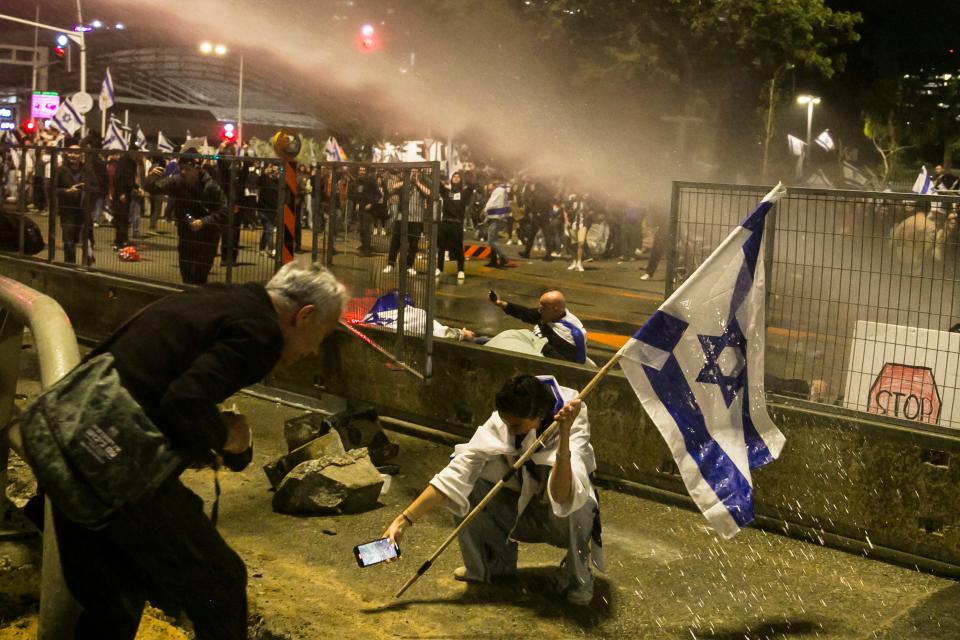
pixel 551 499
pixel 565 334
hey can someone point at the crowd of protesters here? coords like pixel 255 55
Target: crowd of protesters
pixel 545 220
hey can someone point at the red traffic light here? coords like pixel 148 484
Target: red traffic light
pixel 367 38
pixel 228 133
pixel 28 126
pixel 59 51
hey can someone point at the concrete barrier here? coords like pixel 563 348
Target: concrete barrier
pixel 883 488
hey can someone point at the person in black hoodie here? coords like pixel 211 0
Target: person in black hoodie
pixel 69 186
pixel 205 345
pixel 450 233
pixel 121 184
pixel 199 209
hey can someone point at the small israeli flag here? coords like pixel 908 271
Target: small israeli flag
pixel 163 144
pixel 106 92
pixel 114 140
pixel 141 138
pixel 825 141
pixel 697 368
pixel 67 119
pixel 923 185
pixel 333 151
pixel 796 145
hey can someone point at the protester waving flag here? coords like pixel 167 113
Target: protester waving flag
pixel 697 367
pixel 106 92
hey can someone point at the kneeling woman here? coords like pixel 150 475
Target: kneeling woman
pixel 552 500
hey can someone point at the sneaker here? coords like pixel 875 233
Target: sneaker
pixel 436 272
pixel 573 265
pixel 579 266
pixel 461 276
pixel 460 573
pixel 645 276
pixel 411 271
pixel 581 596
pixel 388 268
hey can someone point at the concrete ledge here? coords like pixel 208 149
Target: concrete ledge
pixel 882 488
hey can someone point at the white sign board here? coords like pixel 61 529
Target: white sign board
pixel 904 372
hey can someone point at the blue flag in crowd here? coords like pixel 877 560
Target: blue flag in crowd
pixel 923 185
pixel 697 367
pixel 141 138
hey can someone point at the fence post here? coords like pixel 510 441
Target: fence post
pixel 227 254
pixel 402 262
pixel 330 223
pixel 53 208
pixel 432 249
pixel 672 241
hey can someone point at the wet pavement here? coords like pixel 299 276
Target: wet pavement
pixel 668 575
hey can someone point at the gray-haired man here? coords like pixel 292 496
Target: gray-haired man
pixel 178 359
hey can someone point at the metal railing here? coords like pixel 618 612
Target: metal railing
pixel 58 353
pixel 78 207
pixel 861 293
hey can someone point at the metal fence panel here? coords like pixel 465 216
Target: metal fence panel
pixel 862 293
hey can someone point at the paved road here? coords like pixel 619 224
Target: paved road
pixel 668 575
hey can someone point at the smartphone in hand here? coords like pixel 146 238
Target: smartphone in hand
pixel 375 552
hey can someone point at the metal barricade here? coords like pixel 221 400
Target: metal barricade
pixel 861 293
pixel 57 352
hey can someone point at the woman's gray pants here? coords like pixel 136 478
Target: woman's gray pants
pixel 488 553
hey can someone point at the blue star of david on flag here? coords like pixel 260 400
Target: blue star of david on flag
pixel 697 368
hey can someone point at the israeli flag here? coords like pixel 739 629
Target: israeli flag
pixel 697 367
pixel 796 145
pixel 67 118
pixel 106 92
pixel 333 151
pixel 141 138
pixel 854 176
pixel 923 185
pixel 824 141
pixel 114 140
pixel 163 144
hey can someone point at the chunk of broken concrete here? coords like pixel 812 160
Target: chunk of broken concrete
pixel 300 430
pixel 345 483
pixel 327 445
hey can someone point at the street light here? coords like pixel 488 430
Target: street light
pixel 810 101
pixel 208 48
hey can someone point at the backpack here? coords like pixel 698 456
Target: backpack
pixel 33 242
pixel 92 447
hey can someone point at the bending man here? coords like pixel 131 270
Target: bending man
pixel 551 500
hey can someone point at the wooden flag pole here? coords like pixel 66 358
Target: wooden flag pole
pixel 506 478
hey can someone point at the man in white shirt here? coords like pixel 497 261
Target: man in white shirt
pixel 551 499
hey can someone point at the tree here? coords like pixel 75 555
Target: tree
pixel 885 122
pixel 718 57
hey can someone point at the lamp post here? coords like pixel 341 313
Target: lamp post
pixel 208 48
pixel 810 101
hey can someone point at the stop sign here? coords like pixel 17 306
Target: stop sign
pixel 905 391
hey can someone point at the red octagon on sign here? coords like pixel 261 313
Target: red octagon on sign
pixel 905 391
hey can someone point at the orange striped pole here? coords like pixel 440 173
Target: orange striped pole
pixel 289 224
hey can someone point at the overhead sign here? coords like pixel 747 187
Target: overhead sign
pixel 8 118
pixel 44 104
pixel 904 372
